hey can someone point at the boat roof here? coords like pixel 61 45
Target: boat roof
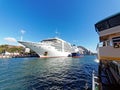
pixel 107 18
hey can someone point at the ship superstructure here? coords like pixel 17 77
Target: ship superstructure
pixel 109 37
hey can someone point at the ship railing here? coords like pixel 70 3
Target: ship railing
pixel 95 83
pixel 109 43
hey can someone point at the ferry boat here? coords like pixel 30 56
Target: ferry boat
pixel 109 54
pixel 52 47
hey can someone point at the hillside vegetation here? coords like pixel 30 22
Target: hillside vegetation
pixel 11 48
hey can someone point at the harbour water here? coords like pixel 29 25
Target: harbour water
pixel 47 74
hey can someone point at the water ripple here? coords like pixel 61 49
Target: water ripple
pixel 46 74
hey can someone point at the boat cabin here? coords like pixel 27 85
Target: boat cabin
pixel 109 37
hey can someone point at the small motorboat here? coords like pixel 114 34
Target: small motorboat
pixel 76 55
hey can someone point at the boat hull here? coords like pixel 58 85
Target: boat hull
pixel 76 55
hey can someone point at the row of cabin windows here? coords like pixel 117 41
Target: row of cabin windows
pixel 107 43
pixel 109 23
pixel 110 43
pixel 58 46
pixel 114 42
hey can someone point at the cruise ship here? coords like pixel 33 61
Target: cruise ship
pixel 108 54
pixel 52 47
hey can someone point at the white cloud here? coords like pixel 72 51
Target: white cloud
pixel 10 39
pixel 22 31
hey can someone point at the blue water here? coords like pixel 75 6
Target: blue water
pixel 46 74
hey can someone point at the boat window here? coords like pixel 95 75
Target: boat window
pixel 104 44
pixel 116 42
pixel 111 43
pixel 50 41
pixel 102 26
pixel 108 23
pixel 107 43
pixel 100 44
pixel 115 21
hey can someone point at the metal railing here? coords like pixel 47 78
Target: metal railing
pixel 95 84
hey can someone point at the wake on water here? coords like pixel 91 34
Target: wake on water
pixel 96 60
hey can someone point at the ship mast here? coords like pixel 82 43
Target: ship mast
pixel 62 46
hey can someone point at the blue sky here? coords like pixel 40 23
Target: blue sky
pixel 40 19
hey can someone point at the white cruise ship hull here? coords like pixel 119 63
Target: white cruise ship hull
pixel 44 50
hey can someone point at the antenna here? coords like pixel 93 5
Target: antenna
pixel 57 33
pixel 22 32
